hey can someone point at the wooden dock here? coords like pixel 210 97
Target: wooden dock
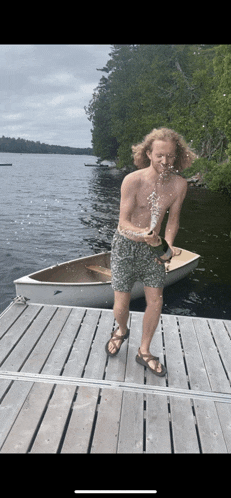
pixel 61 394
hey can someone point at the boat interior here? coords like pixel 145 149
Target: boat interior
pixel 96 268
pixel 77 271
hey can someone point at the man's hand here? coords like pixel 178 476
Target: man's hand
pixel 152 238
pixel 175 251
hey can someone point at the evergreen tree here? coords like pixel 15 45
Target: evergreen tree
pixel 184 87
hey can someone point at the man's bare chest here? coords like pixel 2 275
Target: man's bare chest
pixel 147 198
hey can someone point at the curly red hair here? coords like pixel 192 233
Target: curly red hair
pixel 184 155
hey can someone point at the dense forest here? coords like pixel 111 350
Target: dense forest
pixel 183 87
pixel 28 146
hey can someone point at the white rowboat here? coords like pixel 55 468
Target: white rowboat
pixel 87 281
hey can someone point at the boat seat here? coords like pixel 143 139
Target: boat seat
pixel 99 269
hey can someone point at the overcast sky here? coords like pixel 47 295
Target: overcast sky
pixel 44 88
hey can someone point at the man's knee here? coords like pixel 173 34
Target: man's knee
pixel 154 297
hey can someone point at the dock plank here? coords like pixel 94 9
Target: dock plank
pixel 206 416
pixel 210 430
pixel 17 330
pixel 197 374
pixel 224 415
pixel 78 435
pixel 47 440
pixel 63 396
pixel 216 374
pixel 223 343
pixel 221 331
pixel 38 417
pixel 158 424
pixel 9 317
pixel 16 396
pixel 183 423
pixel 28 420
pixel 109 410
pixel 130 438
pixel 16 356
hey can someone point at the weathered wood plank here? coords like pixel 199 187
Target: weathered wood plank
pixel 227 324
pixel 174 357
pixel 18 355
pixel 197 373
pixel 224 414
pixel 223 342
pixel 214 367
pixel 131 426
pixel 53 424
pixel 183 424
pixel 26 423
pixel 61 401
pixel 79 430
pixel 108 419
pixel 210 432
pixel 10 340
pixel 15 397
pixel 222 335
pixel 80 350
pixel 109 410
pixel 24 427
pixel 158 436
pixel 25 346
pixel 46 418
pixel 8 319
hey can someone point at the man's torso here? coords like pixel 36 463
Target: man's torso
pixel 152 200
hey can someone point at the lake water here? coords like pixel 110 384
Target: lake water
pixel 53 209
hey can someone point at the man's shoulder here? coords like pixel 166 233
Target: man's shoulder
pixel 181 183
pixel 132 178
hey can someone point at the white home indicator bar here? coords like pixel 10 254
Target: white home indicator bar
pixel 133 491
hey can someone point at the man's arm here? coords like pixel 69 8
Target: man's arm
pixel 172 226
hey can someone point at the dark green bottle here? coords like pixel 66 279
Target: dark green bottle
pixel 162 252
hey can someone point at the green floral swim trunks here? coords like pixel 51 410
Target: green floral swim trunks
pixel 132 261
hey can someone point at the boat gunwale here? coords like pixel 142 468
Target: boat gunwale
pixel 27 279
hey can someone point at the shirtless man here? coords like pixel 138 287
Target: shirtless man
pixel 146 195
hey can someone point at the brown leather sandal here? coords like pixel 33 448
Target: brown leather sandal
pixel 115 337
pixel 149 356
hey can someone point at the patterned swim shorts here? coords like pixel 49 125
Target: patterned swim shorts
pixel 132 261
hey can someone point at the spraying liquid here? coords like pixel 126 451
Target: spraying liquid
pixel 155 212
pixel 153 200
pixel 162 250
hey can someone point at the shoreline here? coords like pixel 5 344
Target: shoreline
pixel 197 180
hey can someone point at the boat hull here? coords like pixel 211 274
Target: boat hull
pixel 96 294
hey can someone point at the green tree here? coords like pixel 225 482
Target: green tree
pixel 150 86
pixel 222 93
pixel 104 143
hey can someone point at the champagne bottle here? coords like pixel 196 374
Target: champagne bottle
pixel 162 252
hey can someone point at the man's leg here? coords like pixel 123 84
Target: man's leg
pixel 121 314
pixel 154 300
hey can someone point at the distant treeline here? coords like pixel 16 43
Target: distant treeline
pixel 8 144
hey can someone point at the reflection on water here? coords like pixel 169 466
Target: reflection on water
pixel 53 209
pixel 102 211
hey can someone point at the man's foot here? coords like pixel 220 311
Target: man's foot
pixel 151 362
pixel 114 344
